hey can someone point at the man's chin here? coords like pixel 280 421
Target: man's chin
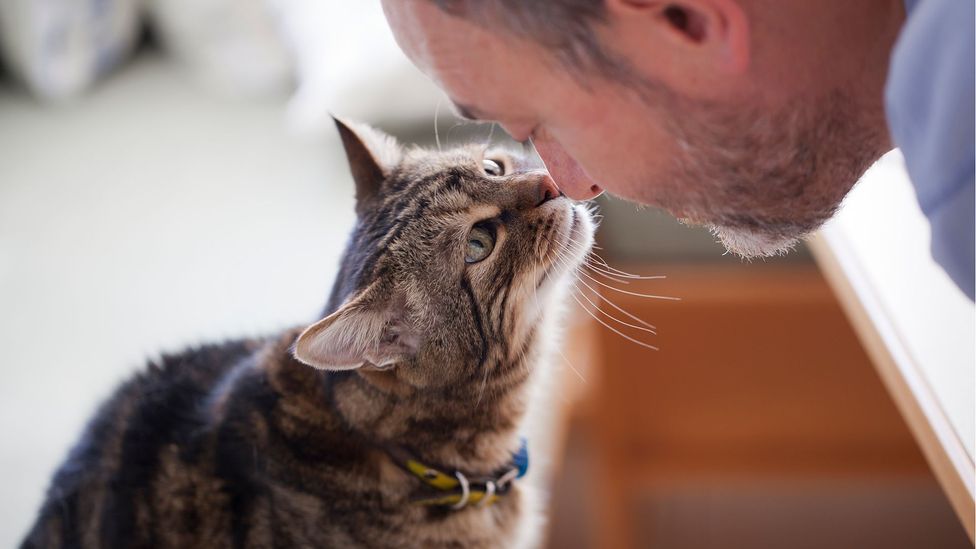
pixel 751 244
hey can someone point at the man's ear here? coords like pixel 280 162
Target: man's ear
pixel 372 156
pixel 368 330
pixel 716 32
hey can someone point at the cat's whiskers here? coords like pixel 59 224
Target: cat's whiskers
pixel 602 267
pixel 619 272
pixel 602 322
pixel 600 272
pixel 616 331
pixel 611 328
pixel 535 298
pixel 571 365
pixel 610 302
pixel 559 253
pixel 615 319
pixel 636 294
pixel 646 326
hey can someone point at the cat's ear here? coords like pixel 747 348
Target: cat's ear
pixel 372 156
pixel 369 330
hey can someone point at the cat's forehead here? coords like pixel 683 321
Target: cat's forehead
pixel 425 160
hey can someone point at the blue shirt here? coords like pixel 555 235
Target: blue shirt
pixel 929 98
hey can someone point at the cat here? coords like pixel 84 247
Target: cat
pixel 391 422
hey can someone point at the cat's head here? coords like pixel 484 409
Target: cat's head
pixel 453 263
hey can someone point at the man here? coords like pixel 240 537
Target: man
pixel 754 117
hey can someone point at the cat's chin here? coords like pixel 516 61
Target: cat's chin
pixel 574 239
pixel 576 235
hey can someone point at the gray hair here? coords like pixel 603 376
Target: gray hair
pixel 564 27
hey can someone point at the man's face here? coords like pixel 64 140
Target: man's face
pixel 760 176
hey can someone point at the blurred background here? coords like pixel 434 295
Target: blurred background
pixel 169 176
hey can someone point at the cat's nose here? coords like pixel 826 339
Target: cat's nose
pixel 547 190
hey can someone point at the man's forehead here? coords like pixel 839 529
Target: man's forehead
pixel 457 54
pixel 404 21
pixel 431 38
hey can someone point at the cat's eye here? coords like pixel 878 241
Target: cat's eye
pixel 481 241
pixel 493 167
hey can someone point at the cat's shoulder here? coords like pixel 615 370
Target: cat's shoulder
pixel 168 391
pixel 160 405
pixel 200 365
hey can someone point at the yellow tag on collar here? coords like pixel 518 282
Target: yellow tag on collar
pixel 432 477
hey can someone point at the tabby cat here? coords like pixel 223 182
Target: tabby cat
pixel 392 422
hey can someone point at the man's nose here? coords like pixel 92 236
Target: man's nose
pixel 566 172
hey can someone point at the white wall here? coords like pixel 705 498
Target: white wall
pixel 143 218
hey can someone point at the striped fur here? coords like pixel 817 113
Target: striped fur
pixel 244 445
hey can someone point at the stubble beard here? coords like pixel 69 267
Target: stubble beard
pixel 762 181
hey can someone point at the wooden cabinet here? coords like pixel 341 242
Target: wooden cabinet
pixel 759 382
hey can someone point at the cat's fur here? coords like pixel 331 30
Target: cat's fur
pixel 246 445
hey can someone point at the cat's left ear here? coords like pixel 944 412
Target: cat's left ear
pixel 368 330
pixel 372 156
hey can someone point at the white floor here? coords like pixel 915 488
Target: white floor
pixel 146 217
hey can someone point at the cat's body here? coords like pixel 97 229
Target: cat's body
pixel 231 446
pixel 247 445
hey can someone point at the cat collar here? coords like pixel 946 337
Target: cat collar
pixel 457 490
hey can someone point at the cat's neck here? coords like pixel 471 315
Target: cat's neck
pixel 470 427
pixel 456 427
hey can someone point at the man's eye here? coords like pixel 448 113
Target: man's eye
pixel 493 167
